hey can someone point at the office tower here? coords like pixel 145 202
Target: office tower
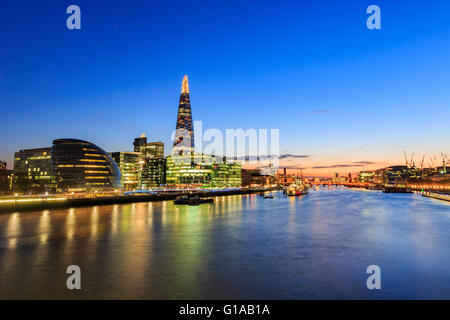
pixel 188 169
pixel 152 164
pixel 33 171
pixel 130 165
pixel 203 170
pixel 154 150
pixel 153 173
pixel 140 143
pixel 184 134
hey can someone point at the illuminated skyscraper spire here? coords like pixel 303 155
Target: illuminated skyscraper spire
pixel 185 85
pixel 184 134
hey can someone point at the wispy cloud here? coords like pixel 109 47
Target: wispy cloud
pixel 321 111
pixel 294 156
pixel 348 165
pixel 285 156
pixel 282 167
pixel 364 162
pixel 335 166
pixel 294 167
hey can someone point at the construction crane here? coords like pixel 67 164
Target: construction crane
pixel 421 162
pixel 406 159
pixel 411 163
pixel 444 163
pixel 432 162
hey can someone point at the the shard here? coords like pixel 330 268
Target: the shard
pixel 184 134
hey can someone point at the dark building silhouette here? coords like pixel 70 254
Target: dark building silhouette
pixel 254 177
pixel 4 178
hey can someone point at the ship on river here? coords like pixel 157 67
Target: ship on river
pixel 297 189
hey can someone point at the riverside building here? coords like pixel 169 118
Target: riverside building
pixel 70 165
pixel 33 171
pixel 203 171
pixel 130 166
pixel 5 176
pixel 81 166
pixel 152 163
pixel 187 168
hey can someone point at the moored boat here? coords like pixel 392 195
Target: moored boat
pixel 297 190
pixel 192 200
pixel 181 199
pixel 394 189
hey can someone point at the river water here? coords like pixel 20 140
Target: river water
pixel 240 247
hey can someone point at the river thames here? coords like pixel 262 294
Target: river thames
pixel 240 247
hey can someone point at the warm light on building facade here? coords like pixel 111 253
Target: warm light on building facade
pixel 202 170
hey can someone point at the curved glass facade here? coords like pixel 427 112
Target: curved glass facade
pixel 80 166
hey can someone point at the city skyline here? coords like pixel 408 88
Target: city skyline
pixel 225 157
pixel 345 98
pixel 288 161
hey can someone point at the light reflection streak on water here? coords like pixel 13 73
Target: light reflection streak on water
pixel 94 222
pixel 70 223
pixel 13 229
pixel 44 226
pixel 115 219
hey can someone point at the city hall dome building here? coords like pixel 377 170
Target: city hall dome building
pixel 82 166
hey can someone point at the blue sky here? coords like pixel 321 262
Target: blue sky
pixel 338 92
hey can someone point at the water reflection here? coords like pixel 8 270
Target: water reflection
pixel 70 224
pixel 44 227
pixel 115 219
pixel 316 246
pixel 94 222
pixel 13 230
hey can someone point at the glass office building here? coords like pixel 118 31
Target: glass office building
pixel 184 134
pixel 201 170
pixel 82 166
pixel 227 174
pixel 130 166
pixel 187 168
pixel 153 173
pixel 154 150
pixel 33 171
pixel 153 163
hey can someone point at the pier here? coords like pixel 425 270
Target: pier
pixel 437 196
